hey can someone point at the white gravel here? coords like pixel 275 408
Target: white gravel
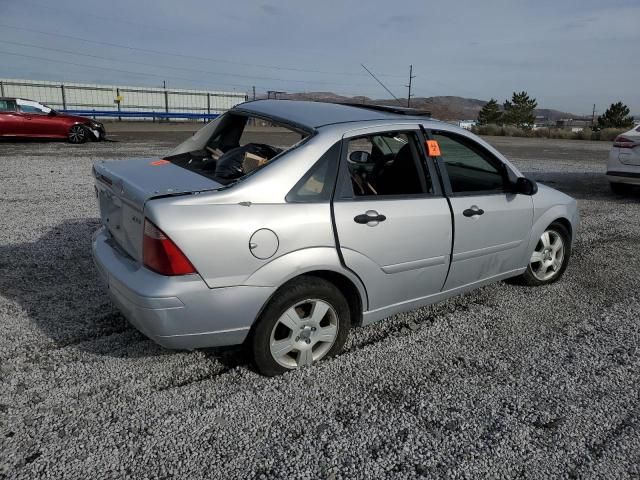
pixel 504 382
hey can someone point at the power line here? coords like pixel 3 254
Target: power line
pixel 246 88
pixel 209 72
pixel 115 69
pixel 209 59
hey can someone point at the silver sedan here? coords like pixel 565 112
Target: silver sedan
pixel 282 224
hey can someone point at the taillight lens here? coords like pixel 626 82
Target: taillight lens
pixel 161 255
pixel 623 142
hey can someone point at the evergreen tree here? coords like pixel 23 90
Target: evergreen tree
pixel 520 110
pixel 616 116
pixel 490 113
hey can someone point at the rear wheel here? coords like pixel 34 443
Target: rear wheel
pixel 77 134
pixel 550 257
pixel 307 321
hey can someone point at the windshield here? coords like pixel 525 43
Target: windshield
pixel 234 146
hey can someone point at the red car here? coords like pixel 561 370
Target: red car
pixel 25 118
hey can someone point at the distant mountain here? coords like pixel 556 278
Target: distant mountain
pixel 443 107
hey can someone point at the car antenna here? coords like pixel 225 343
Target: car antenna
pixel 383 85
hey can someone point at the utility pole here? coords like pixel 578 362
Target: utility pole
pixel 411 77
pixel 164 84
pixel 593 115
pixel 254 92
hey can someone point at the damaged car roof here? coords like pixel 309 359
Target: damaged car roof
pixel 317 114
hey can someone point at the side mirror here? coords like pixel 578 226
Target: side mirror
pixel 525 186
pixel 359 156
pixel 52 113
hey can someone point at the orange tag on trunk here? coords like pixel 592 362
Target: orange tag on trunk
pixel 159 162
pixel 433 149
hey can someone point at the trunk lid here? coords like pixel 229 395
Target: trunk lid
pixel 123 188
pixel 630 156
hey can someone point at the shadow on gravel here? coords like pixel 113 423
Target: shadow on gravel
pixel 32 140
pixel 54 280
pixel 582 185
pixel 230 357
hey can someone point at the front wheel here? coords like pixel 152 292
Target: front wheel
pixel 550 257
pixel 77 134
pixel 307 320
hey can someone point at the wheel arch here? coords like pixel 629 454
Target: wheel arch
pixel 347 288
pixel 558 213
pixel 344 284
pixel 565 223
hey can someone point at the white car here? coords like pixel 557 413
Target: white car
pixel 623 168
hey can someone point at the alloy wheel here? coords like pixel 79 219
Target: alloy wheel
pixel 304 333
pixel 546 260
pixel 77 134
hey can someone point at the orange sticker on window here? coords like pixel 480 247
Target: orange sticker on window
pixel 433 149
pixel 159 162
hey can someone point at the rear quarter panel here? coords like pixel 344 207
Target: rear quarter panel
pixel 216 237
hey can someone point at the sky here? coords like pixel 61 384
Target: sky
pixel 568 54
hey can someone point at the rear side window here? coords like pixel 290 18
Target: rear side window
pixel 469 167
pixel 7 106
pixel 317 184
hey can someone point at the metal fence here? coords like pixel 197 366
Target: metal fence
pixel 122 101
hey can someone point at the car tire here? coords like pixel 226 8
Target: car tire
pixel 78 134
pixel 306 321
pixel 545 266
pixel 620 188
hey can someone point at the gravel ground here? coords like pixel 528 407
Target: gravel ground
pixel 504 382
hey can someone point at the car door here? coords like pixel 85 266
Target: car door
pixel 38 120
pixel 11 121
pixel 491 223
pixel 393 224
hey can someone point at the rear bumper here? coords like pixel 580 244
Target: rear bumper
pixel 176 312
pixel 628 177
pixel 621 172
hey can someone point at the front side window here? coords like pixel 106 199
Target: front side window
pixel 386 164
pixel 34 108
pixel 469 167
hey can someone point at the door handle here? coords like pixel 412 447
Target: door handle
pixel 470 212
pixel 371 216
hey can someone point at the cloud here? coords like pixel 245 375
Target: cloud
pixel 563 53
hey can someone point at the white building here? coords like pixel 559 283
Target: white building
pixel 467 124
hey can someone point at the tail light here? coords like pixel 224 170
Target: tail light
pixel 623 142
pixel 161 255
